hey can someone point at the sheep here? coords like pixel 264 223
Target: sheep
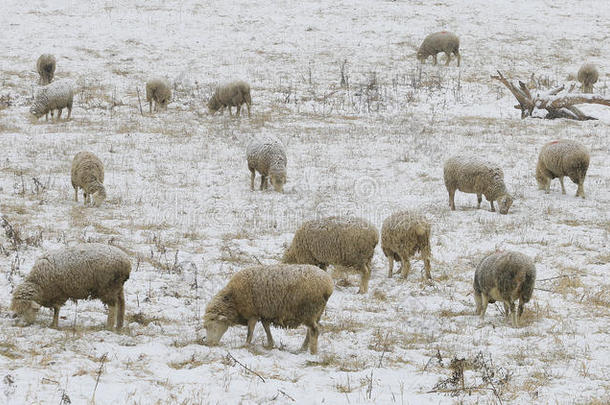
pixel 88 270
pixel 340 241
pixel 45 65
pixel 560 158
pixel 588 75
pixel 268 157
pixel 283 295
pixel 402 235
pixel 504 276
pixel 88 173
pixel 158 91
pixel 55 96
pixel 473 175
pixel 232 94
pixel 440 42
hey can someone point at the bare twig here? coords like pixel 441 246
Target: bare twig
pixel 369 390
pixel 99 374
pixel 552 278
pixel 230 356
pixel 139 101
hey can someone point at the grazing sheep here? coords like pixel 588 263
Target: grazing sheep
pixel 46 68
pixel 588 75
pixel 268 157
pixel 473 175
pixel 158 91
pixel 340 241
pixel 232 94
pixel 283 295
pixel 88 173
pixel 440 42
pixel 506 277
pixel 56 96
pixel 562 158
pixel 403 234
pixel 88 270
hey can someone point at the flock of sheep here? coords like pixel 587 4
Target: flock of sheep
pixel 296 291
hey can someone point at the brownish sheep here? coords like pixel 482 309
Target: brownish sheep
pixel 440 42
pixel 229 95
pixel 45 65
pixel 561 158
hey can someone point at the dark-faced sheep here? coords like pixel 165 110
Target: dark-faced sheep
pixel 506 277
pixel 268 157
pixel 45 65
pixel 88 270
pixel 340 241
pixel 87 173
pixel 403 234
pixel 229 95
pixel 470 174
pixel 159 92
pixel 561 158
pixel 282 295
pixel 588 75
pixel 440 42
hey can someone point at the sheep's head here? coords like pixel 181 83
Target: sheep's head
pixel 23 305
pixel 215 326
pixel 278 180
pixel 99 196
pixel 36 112
pixel 421 56
pixel 504 203
pixel 213 105
pixel 164 101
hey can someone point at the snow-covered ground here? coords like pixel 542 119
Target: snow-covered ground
pixel 179 198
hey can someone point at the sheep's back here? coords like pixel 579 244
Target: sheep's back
pixel 78 272
pixel 86 167
pixel 226 93
pixel 286 294
pixel 398 230
pixel 261 154
pixel 505 273
pixel 471 174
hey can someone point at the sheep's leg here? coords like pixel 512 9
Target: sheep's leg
pixel 263 182
pixel 478 301
pixel 85 195
pixel 448 58
pixel 251 325
pixel 230 113
pixel 121 309
pixel 580 192
pixel 76 194
pixel 150 107
pixel 459 57
pixel 313 339
pixel 364 280
pixel 493 209
pixel 513 314
pixel 479 199
pixel 47 116
pixel 484 301
pixel 390 264
pixel 506 309
pixel 405 267
pixel 252 175
pixel 305 344
pixel 248 105
pixel 59 110
pixel 238 109
pixel 270 343
pixel 69 112
pixel 55 322
pixel 520 307
pixel 427 268
pixel 111 321
pixel 563 189
pixel 452 199
pixel 435 59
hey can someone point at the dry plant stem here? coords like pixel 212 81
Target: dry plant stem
pixel 230 356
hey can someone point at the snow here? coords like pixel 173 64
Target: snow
pixel 179 198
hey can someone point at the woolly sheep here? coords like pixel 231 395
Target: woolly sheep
pixel 562 158
pixel 268 157
pixel 158 91
pixel 283 295
pixel 473 175
pixel 506 277
pixel 340 241
pixel 88 173
pixel 46 68
pixel 55 96
pixel 232 94
pixel 588 75
pixel 440 42
pixel 88 270
pixel 403 234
